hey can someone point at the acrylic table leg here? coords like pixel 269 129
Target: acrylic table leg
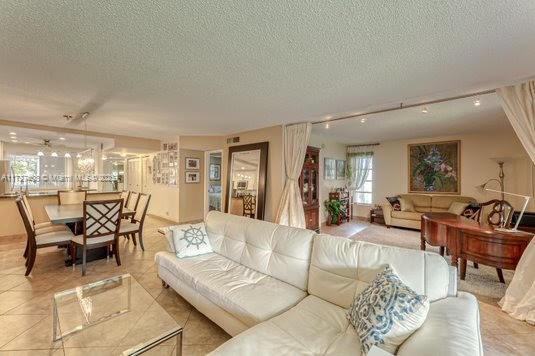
pixel 179 344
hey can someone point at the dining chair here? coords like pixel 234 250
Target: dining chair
pixel 35 241
pixel 71 196
pixel 43 227
pixel 125 194
pixel 132 200
pixel 101 221
pixel 249 205
pixel 135 226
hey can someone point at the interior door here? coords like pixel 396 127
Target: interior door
pixel 145 175
pixel 134 175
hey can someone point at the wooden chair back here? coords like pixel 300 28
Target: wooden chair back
pixel 125 194
pixel 132 201
pixel 500 213
pixel 28 224
pixel 141 209
pixel 102 217
pixel 249 205
pixel 26 203
pixel 71 196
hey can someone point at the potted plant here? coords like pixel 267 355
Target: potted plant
pixel 334 208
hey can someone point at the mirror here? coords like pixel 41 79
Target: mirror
pixel 246 180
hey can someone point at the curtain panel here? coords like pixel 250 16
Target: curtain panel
pixel 518 102
pixel 358 165
pixel 290 211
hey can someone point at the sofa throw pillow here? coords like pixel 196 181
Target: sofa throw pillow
pixel 394 201
pixel 169 238
pixel 190 240
pixel 387 312
pixel 457 207
pixel 406 204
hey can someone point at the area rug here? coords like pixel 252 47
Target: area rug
pixel 483 282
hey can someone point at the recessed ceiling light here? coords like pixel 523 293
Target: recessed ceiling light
pixel 40 154
pixel 13 133
pixel 26 142
pixel 67 155
pixel 14 141
pixel 54 154
pixel 363 120
pixel 62 138
pixel 477 102
pixel 425 111
pixel 327 125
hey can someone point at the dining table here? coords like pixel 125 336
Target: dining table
pixel 71 213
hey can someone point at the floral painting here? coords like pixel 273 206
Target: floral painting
pixel 434 167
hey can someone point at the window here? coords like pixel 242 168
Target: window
pixel 35 172
pixel 363 195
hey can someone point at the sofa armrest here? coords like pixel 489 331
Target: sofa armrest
pixel 387 212
pixel 452 327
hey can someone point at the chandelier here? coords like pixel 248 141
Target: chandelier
pixel 86 163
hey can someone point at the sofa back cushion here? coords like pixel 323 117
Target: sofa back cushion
pixel 421 202
pixel 441 203
pixel 279 251
pixel 342 268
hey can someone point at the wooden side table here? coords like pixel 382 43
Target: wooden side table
pixel 377 216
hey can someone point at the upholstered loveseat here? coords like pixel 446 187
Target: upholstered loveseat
pixel 284 291
pixel 422 203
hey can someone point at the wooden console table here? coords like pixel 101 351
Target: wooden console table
pixel 467 239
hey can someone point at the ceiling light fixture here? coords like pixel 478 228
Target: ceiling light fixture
pixel 14 141
pixel 62 138
pixel 363 120
pixel 78 155
pixel 67 155
pixel 477 102
pixel 104 157
pixel 40 154
pixel 327 125
pixel 54 154
pixel 424 110
pixel 13 133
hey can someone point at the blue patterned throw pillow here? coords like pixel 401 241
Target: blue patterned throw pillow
pixel 190 240
pixel 387 312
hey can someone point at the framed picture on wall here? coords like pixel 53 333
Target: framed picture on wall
pixel 193 177
pixel 193 163
pixel 329 168
pixel 340 169
pixel 215 171
pixel 435 167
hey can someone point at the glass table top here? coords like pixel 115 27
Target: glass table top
pixel 117 316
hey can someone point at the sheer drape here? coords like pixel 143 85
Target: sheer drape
pixel 518 102
pixel 290 211
pixel 359 161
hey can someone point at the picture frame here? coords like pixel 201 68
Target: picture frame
pixel 215 172
pixel 329 169
pixel 193 177
pixel 434 167
pixel 340 169
pixel 193 163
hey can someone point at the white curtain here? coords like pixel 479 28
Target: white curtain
pixel 359 160
pixel 518 102
pixel 290 210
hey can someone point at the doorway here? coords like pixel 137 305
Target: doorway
pixel 133 174
pixel 213 196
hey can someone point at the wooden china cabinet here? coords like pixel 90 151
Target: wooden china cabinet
pixel 309 186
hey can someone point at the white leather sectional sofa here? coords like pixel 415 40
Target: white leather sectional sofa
pixel 284 291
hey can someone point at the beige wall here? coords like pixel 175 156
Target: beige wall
pixel 328 149
pixel 391 168
pixel 191 194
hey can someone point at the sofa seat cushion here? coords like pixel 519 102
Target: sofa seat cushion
pixel 407 215
pixel 250 296
pixel 312 327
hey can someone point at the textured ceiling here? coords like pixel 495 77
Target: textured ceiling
pixel 156 69
pixel 447 118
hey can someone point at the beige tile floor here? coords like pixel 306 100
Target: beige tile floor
pixel 502 335
pixel 26 308
pixel 25 302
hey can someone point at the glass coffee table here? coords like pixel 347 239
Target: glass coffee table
pixel 116 316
